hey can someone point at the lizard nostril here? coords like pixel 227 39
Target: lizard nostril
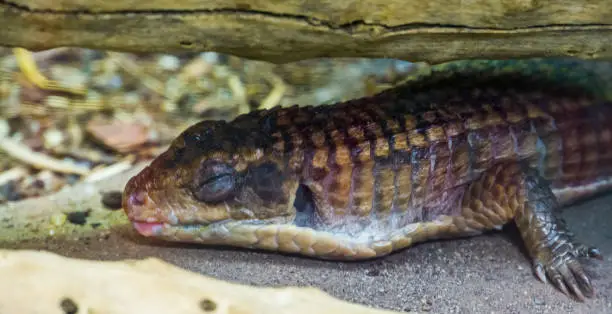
pixel 137 199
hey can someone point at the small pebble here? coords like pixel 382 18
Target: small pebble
pixel 538 301
pixel 372 272
pixel 112 200
pixel 9 192
pixel 78 218
pixel 426 305
pixel 169 62
pixel 53 138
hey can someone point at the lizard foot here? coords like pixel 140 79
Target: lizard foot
pixel 559 263
pixel 551 245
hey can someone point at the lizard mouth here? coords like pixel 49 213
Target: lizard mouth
pixel 148 229
pixel 148 221
pixel 299 234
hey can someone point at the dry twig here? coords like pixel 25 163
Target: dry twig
pixel 37 160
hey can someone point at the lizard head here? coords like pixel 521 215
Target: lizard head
pixel 215 176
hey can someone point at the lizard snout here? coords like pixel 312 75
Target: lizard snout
pixel 137 203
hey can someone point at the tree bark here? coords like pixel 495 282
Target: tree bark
pixel 291 30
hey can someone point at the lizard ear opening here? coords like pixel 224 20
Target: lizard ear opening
pixel 214 182
pixel 304 206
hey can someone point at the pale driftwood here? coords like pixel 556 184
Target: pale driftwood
pixel 42 282
pixel 284 31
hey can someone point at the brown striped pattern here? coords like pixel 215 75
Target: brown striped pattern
pixel 395 156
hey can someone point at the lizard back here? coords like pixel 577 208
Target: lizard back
pixel 402 156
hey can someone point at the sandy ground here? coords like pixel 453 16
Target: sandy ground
pixel 485 274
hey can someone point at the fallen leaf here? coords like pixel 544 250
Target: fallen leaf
pixel 118 135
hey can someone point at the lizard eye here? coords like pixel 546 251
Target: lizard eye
pixel 214 182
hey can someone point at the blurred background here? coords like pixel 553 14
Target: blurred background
pixel 70 113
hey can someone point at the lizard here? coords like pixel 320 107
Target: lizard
pixel 456 150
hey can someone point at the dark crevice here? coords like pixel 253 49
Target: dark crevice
pixel 68 306
pixel 304 206
pixel 307 19
pixel 207 305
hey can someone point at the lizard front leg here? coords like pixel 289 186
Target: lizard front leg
pixel 553 250
pixel 515 192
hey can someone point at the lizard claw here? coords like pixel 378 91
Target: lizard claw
pixel 561 266
pixel 582 250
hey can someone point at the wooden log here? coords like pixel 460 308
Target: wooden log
pixel 285 31
pixel 43 282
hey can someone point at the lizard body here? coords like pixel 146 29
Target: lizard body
pixel 457 150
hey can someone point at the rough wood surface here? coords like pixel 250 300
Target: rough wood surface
pixel 285 31
pixel 42 282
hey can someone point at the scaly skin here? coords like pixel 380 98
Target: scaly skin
pixel 459 149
